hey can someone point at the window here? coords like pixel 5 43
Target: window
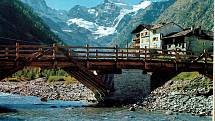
pixel 155 46
pixel 142 41
pixel 146 40
pixel 142 34
pixel 155 39
pixel 146 33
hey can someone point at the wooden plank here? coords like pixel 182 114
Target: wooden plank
pixel 7 46
pixel 8 55
pixel 9 50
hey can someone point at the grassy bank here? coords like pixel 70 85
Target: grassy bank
pixel 191 81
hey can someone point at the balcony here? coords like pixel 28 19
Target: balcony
pixel 136 45
pixel 136 39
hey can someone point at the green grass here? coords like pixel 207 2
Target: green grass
pixel 187 81
pixel 186 76
pixel 204 83
pixel 65 79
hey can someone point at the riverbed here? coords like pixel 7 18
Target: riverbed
pixel 30 108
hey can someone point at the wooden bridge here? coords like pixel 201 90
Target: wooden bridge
pixel 89 65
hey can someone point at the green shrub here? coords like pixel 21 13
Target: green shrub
pixel 30 73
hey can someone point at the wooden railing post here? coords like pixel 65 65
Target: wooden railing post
pixel 54 52
pixel 206 56
pixel 127 54
pixel 145 50
pixel 87 47
pixel 176 56
pixel 40 50
pixel 116 52
pixel 122 54
pixel 206 59
pixel 96 54
pixel 69 52
pixel 139 53
pixel 6 53
pixel 17 51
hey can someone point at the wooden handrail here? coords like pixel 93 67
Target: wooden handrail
pixel 18 51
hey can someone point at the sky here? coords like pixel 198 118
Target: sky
pixel 68 4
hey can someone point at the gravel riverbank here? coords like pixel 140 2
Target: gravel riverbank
pixel 193 96
pixel 188 95
pixel 54 91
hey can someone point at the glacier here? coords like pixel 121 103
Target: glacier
pixel 101 31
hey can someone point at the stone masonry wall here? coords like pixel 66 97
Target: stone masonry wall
pixel 131 85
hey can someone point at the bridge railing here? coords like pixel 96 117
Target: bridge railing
pixel 116 53
pixel 15 52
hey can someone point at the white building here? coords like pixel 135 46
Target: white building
pixel 150 36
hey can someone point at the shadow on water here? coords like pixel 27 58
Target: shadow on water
pixel 10 119
pixel 7 110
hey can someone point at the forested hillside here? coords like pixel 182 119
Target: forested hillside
pixel 19 22
pixel 189 13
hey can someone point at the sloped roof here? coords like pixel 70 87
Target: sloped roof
pixel 179 34
pixel 189 32
pixel 140 28
pixel 150 27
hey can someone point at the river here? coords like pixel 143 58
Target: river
pixel 30 108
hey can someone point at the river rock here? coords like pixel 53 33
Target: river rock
pixel 169 112
pixel 54 91
pixel 132 109
pixel 167 97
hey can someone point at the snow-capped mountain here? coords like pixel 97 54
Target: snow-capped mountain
pixel 104 19
pixel 81 25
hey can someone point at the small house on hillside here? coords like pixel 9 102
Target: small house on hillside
pixel 170 36
pixel 150 35
pixel 195 40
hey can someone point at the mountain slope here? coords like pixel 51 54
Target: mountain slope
pixel 82 25
pixel 189 13
pixel 19 22
pixel 147 16
pixel 111 23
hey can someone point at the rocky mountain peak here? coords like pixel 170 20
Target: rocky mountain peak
pixel 107 1
pixel 39 5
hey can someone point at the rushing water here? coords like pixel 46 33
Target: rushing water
pixel 32 109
